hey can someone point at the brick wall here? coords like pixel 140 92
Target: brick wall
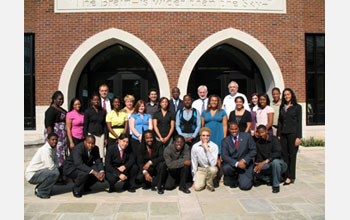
pixel 172 36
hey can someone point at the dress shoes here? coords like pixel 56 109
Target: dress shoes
pixel 211 188
pixel 131 190
pixel 234 185
pixel 111 189
pixel 40 196
pixel 160 191
pixel 184 190
pixel 76 194
pixel 153 188
pixel 276 189
pixel 286 184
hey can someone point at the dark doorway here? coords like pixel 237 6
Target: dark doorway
pixel 122 69
pixel 222 64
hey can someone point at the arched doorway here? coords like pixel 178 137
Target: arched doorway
pixel 122 69
pixel 222 64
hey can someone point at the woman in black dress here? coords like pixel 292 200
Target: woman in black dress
pixel 241 116
pixel 289 131
pixel 55 121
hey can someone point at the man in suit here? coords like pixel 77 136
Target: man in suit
pixel 120 165
pixel 175 103
pixel 84 166
pixel 237 153
pixel 105 101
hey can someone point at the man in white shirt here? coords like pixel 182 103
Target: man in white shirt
pixel 201 103
pixel 229 103
pixel 105 102
pixel 43 168
pixel 204 157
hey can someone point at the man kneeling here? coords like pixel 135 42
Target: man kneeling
pixel 43 168
pixel 204 156
pixel 268 159
pixel 84 166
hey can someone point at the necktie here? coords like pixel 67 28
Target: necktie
pixel 236 142
pixel 149 152
pixel 104 105
pixel 121 154
pixel 175 105
pixel 203 107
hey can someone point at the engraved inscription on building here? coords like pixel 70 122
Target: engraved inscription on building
pixel 250 6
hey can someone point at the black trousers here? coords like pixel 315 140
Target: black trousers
pixel 129 182
pixel 82 180
pixel 289 153
pixel 158 174
pixel 135 147
pixel 237 176
pixel 175 176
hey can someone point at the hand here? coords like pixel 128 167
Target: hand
pixel 165 139
pixel 122 177
pixel 148 177
pixel 259 166
pixel 71 145
pixel 187 139
pixel 190 139
pixel 100 176
pixel 279 138
pixel 140 138
pixel 297 142
pixel 147 165
pixel 206 147
pixel 122 168
pixel 241 164
pixel 187 162
pixel 256 134
pixel 219 163
pixel 105 143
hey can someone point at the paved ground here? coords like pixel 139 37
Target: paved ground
pixel 303 200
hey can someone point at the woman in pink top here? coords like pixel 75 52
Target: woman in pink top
pixel 264 113
pixel 75 123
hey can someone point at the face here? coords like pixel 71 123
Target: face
pixel 149 139
pixel 255 100
pixel 95 101
pixel 262 133
pixel 179 143
pixel 116 104
pixel 202 93
pixel 142 108
pixel 233 129
pixel 233 88
pixel 262 101
pixel 187 101
pixel 52 141
pixel 76 105
pixel 129 104
pixel 59 100
pixel 123 143
pixel 276 95
pixel 164 104
pixel 176 93
pixel 287 95
pixel 205 136
pixel 214 102
pixel 103 91
pixel 239 104
pixel 89 143
pixel 153 96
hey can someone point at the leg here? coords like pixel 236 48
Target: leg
pixel 230 178
pixel 245 178
pixel 292 156
pixel 285 157
pixel 45 179
pixel 265 173
pixel 185 171
pixel 161 175
pixel 200 178
pixel 212 171
pixel 112 180
pixel 79 179
pixel 170 183
pixel 130 181
pixel 278 167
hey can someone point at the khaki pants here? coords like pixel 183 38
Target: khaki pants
pixel 274 130
pixel 204 176
pixel 100 143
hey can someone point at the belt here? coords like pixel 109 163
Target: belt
pixel 118 126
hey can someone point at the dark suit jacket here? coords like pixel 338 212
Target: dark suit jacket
pixel 156 155
pixel 172 106
pixel 113 160
pixel 290 121
pixel 79 160
pixel 246 149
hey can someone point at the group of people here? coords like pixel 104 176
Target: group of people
pixel 165 143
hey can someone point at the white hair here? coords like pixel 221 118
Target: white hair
pixel 228 86
pixel 202 86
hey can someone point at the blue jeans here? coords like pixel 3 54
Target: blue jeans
pixel 274 169
pixel 45 179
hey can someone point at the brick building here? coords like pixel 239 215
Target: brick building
pixel 75 47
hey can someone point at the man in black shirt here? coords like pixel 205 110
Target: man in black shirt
pixel 268 162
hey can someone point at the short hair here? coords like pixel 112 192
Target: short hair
pixel 267 100
pixel 104 84
pixel 179 137
pixel 261 127
pixel 129 97
pixel 152 90
pixel 276 88
pixel 188 96
pixel 72 104
pixel 239 97
pixel 92 96
pixel 202 86
pixel 204 129
pixel 137 106
pixel 55 95
pixel 123 136
pixel 228 85
pixel 90 136
pixel 232 123
pixel 52 134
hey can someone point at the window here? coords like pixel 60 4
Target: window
pixel 315 79
pixel 29 83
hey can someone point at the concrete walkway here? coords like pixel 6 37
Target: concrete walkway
pixel 305 199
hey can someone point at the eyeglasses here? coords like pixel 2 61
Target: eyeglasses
pixel 205 135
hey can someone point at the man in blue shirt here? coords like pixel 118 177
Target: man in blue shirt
pixel 188 122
